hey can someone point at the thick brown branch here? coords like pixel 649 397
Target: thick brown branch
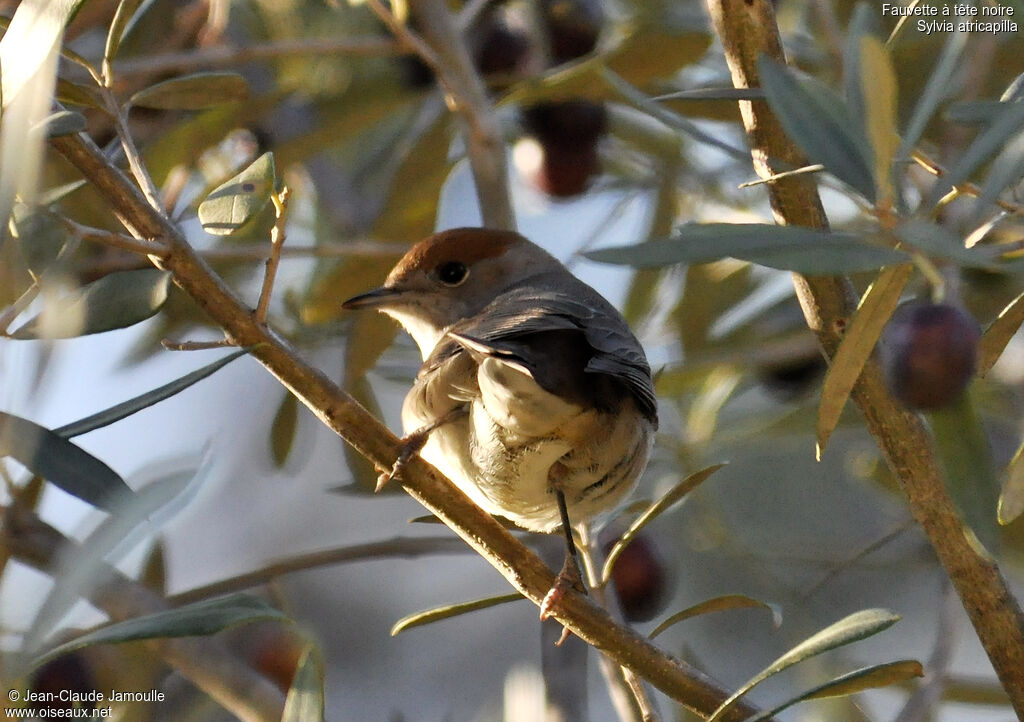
pixel 747 29
pixel 367 435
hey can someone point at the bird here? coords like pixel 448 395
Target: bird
pixel 534 396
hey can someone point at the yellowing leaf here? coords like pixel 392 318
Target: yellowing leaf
pixel 237 201
pixel 878 81
pixel 860 338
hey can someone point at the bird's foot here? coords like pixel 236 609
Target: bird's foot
pixel 570 578
pixel 411 444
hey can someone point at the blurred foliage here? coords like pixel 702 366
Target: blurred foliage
pixel 921 137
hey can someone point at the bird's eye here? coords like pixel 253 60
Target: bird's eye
pixel 452 273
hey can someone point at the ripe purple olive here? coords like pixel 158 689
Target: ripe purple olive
pixel 567 132
pixel 929 353
pixel 641 579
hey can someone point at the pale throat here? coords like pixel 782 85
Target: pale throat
pixel 425 334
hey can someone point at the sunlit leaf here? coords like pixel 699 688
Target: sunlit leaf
pixel 142 401
pixel 718 604
pixel 238 200
pixel 962 446
pixel 193 92
pixel 117 300
pixel 878 80
pixel 671 497
pixel 999 333
pixel 792 248
pixel 1011 500
pixel 850 629
pixel 60 462
pixel 859 680
pixel 818 121
pixel 305 700
pixel 199 619
pixel 859 339
pixel 126 10
pixel 448 611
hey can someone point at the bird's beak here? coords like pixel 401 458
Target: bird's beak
pixel 376 298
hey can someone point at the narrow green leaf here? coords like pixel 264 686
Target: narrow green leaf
pixel 60 462
pixel 936 240
pixel 963 449
pixel 973 112
pixel 718 604
pixel 118 26
pixel 934 92
pixel 876 306
pixel 82 567
pixel 714 94
pixel 117 300
pixel 878 80
pixel 999 333
pixel 193 92
pixel 41 237
pixel 850 629
pixel 143 401
pixel 859 680
pixel 282 429
pixel 199 619
pixel 63 122
pixel 59 193
pixel 819 122
pixel 305 700
pixel 235 202
pixel 673 495
pixel 1007 171
pixel 863 23
pixel 78 94
pixel 447 611
pixel 988 142
pixel 791 248
pixel 1011 500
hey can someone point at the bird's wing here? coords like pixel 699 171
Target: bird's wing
pixel 531 325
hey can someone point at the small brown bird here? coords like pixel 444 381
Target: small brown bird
pixel 534 396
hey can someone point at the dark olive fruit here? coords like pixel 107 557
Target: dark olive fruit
pixel 791 380
pixel 568 132
pixel 64 683
pixel 929 353
pixel 573 27
pixel 641 580
pixel 502 50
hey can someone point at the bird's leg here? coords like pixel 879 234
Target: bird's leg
pixel 412 443
pixel 570 576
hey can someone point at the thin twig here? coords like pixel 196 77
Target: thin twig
pixel 120 117
pixel 114 240
pixel 280 200
pixel 815 168
pixel 195 345
pixel 467 94
pixel 400 547
pixel 407 37
pixel 223 56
